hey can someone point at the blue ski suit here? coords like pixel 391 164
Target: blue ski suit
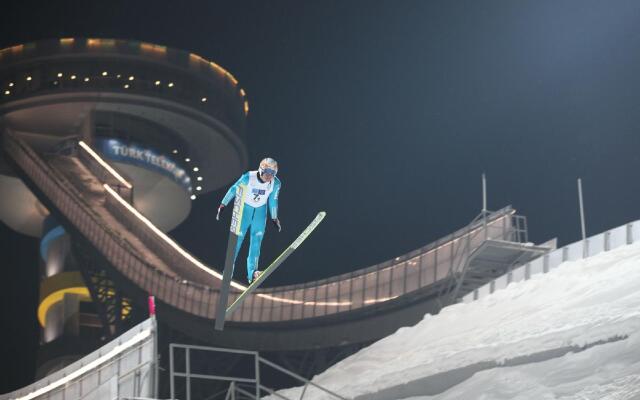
pixel 258 196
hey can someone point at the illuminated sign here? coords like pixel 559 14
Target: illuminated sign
pixel 131 153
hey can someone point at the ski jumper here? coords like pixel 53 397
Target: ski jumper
pixel 258 196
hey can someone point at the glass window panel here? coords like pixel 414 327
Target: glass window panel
pixel 398 282
pixel 276 312
pixel 357 292
pixel 309 298
pixel 444 254
pixel 332 297
pixel 427 268
pixel 332 291
pixel 286 311
pixel 321 299
pixel 287 308
pixel 370 286
pixel 476 240
pixel 246 308
pixel 443 269
pixel 412 274
pixel 297 308
pixel 384 283
pixel 345 294
pixel 263 311
pixel 256 308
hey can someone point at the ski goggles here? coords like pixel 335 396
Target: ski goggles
pixel 268 171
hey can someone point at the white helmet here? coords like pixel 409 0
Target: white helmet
pixel 268 166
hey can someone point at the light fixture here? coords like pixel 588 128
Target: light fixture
pixel 187 160
pixel 10 84
pixel 198 187
pixel 73 77
pixel 7 92
pixel 203 99
pixel 193 197
pixel 118 76
pixel 86 79
pixel 55 82
pixel 175 151
pixel 157 83
pixel 170 84
pixel 196 169
pixel 104 73
pixel 126 86
pixel 199 178
pixel 131 78
pixel 29 78
pixel 59 74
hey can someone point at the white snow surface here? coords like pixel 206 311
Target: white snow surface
pixel 577 304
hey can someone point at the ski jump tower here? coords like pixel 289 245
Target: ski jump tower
pixel 105 143
pixel 171 122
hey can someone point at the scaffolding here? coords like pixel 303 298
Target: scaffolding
pixel 250 386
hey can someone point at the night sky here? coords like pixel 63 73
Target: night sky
pixel 385 115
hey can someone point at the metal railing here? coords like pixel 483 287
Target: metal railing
pixel 127 366
pixel 606 241
pixel 234 381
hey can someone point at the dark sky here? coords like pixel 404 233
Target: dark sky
pixel 385 114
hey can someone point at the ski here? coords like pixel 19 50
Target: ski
pixel 276 263
pixel 227 274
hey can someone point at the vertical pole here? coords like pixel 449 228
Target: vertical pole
pixel 171 377
pixel 584 234
pixel 484 193
pixel 188 367
pixel 155 357
pixel 257 367
pixel 484 205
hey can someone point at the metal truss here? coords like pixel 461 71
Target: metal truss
pixel 465 275
pixel 114 309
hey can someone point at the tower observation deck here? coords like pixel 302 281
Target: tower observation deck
pixel 170 120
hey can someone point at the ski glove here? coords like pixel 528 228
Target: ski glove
pixel 276 222
pixel 220 209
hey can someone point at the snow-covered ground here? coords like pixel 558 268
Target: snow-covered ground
pixel 591 306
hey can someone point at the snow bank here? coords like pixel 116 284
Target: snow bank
pixel 578 304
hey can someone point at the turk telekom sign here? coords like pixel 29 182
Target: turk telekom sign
pixel 135 154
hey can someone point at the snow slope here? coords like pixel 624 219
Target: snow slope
pixel 591 307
